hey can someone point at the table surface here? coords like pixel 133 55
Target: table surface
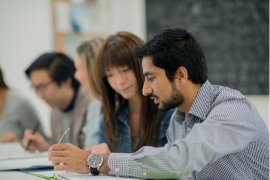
pixel 24 175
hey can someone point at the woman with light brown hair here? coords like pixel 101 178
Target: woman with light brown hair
pixel 87 75
pixel 129 120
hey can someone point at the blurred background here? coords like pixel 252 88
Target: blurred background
pixel 233 34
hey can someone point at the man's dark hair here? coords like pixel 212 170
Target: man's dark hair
pixel 60 67
pixel 173 48
pixel 3 85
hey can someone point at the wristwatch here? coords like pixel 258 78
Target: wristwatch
pixel 94 161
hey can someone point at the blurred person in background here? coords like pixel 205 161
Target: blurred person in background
pixel 87 75
pixel 52 77
pixel 16 114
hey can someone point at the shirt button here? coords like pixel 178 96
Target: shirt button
pixel 189 129
pixel 145 173
pixel 190 176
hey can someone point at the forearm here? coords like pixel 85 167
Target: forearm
pixel 181 158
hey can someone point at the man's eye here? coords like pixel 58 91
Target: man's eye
pixel 39 87
pixel 151 79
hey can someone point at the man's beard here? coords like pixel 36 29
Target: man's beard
pixel 176 99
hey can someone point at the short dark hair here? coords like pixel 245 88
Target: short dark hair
pixel 173 48
pixel 60 67
pixel 3 85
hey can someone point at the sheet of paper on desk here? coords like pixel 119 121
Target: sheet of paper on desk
pixel 17 151
pixel 76 176
pixel 25 163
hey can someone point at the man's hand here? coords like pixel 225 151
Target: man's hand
pixel 9 136
pixel 73 158
pixel 38 142
pixel 101 149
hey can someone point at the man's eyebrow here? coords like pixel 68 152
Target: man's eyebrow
pixel 148 73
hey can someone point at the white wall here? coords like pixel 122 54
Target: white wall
pixel 128 15
pixel 25 33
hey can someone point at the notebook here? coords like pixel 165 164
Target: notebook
pixel 14 156
pixel 16 151
pixel 60 175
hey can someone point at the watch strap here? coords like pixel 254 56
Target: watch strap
pixel 94 171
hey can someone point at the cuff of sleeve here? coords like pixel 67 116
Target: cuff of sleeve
pixel 118 163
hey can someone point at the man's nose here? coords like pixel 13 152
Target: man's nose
pixel 147 90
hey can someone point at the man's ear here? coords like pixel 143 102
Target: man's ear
pixel 181 75
pixel 67 82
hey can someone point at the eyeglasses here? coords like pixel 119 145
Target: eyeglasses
pixel 41 87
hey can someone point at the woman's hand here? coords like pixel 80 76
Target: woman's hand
pixel 38 142
pixel 101 149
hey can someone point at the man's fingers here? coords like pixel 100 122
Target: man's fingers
pixel 52 154
pixel 58 147
pixel 60 168
pixel 58 160
pixel 88 150
pixel 56 154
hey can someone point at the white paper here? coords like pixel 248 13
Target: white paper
pixel 76 176
pixel 16 151
pixel 25 163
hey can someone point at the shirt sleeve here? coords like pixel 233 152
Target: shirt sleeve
pixel 228 128
pixel 27 118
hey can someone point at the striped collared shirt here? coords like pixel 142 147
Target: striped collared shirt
pixel 222 137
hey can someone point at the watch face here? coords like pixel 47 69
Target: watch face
pixel 95 160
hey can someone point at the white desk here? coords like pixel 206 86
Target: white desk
pixel 13 175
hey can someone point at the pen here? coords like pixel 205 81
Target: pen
pixel 34 131
pixel 63 135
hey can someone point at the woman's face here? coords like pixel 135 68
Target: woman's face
pixel 81 75
pixel 123 81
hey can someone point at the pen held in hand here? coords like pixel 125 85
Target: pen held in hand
pixel 63 135
pixel 34 131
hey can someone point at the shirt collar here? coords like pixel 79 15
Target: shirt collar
pixel 201 104
pixel 72 103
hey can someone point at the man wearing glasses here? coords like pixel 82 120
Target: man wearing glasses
pixel 52 78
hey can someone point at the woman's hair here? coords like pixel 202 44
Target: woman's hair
pixel 87 53
pixel 2 82
pixel 117 51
